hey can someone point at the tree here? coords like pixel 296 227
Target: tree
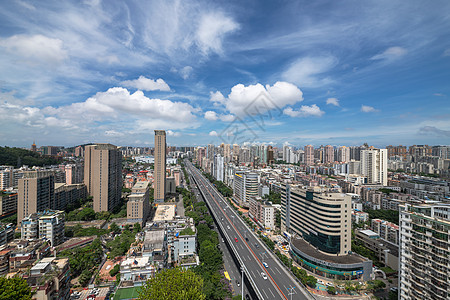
pixel 331 290
pixel 176 284
pixel 14 288
pixel 136 227
pixel 114 228
pixel 114 270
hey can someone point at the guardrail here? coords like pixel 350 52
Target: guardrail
pixel 230 243
pixel 280 263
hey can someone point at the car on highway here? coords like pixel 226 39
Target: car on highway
pixel 246 239
pixel 236 240
pixel 228 227
pixel 263 275
pixel 247 297
pixel 265 264
pixel 256 245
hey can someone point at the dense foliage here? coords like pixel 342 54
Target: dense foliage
pixel 10 219
pixel 175 284
pixel 18 157
pixel 363 251
pixel 384 214
pixel 78 230
pixel 121 243
pixel 14 288
pixel 84 260
pixel 221 187
pixel 114 270
pixel 275 198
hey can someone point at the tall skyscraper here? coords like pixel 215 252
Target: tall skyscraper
pixel 227 153
pixel 270 155
pixel 374 166
pixel 344 154
pixel 103 175
pixel 329 154
pixel 309 155
pixel 36 193
pixel 160 166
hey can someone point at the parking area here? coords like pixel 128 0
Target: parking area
pixel 97 293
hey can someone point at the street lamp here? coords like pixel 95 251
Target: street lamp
pixel 242 282
pixel 291 291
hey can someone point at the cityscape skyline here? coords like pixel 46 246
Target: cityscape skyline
pixel 329 73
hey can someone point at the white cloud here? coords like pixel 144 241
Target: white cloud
pixel 146 84
pixel 113 133
pixel 216 97
pixel 304 111
pixel 173 133
pixel 333 101
pixel 368 109
pixel 184 72
pixel 211 115
pixel 257 99
pixel 213 133
pixel 212 28
pixel 227 118
pixel 427 130
pixel 35 48
pixel 308 71
pixel 390 53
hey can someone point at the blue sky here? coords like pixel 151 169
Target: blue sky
pixel 298 72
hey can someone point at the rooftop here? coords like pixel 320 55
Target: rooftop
pixel 164 212
pixel 313 252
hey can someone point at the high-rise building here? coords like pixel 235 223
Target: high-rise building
pixel 138 205
pixel 160 166
pixel 74 173
pixel 227 152
pixel 374 166
pixel 103 175
pixel 309 155
pixel 424 251
pixel 329 154
pixel 396 151
pixel 245 185
pixel 344 154
pixel 218 167
pixel 236 152
pixel 318 221
pixel 36 193
pixel 270 155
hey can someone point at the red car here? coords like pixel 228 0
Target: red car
pixel 236 239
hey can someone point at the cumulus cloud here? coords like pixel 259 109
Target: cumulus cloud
pixel 35 48
pixel 216 97
pixel 368 109
pixel 211 115
pixel 426 130
pixel 257 99
pixel 390 53
pixel 146 84
pixel 308 71
pixel 213 133
pixel 212 28
pixel 117 101
pixel 113 133
pixel 173 133
pixel 304 111
pixel 333 101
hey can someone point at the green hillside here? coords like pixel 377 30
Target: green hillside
pixel 17 157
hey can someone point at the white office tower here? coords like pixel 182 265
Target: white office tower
pixel 424 251
pixel 374 166
pixel 218 167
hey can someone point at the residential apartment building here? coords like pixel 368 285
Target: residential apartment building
pixel 160 166
pixel 74 173
pixel 50 279
pixel 6 233
pixel 424 251
pixel 245 185
pixel 262 212
pixel 36 193
pixel 374 166
pixel 309 155
pixel 386 230
pixel 47 225
pixel 103 175
pixel 8 203
pixel 138 205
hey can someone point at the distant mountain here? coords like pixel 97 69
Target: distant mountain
pixel 17 157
